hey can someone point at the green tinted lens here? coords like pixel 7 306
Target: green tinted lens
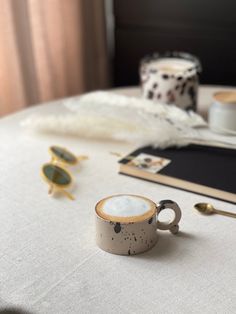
pixel 56 174
pixel 63 154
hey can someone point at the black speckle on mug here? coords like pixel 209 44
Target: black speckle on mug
pixel 159 96
pixel 135 239
pixel 117 227
pixel 184 85
pixel 165 76
pixel 179 78
pixel 190 69
pixel 191 92
pixel 129 252
pixel 112 238
pixel 183 89
pixel 155 85
pixel 150 220
pixel 150 94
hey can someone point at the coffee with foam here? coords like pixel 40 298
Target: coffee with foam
pixel 126 208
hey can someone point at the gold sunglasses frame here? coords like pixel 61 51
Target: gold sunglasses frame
pixel 61 163
pixel 58 187
pixel 56 158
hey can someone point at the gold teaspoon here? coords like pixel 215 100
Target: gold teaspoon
pixel 208 209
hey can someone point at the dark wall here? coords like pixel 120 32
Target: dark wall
pixel 206 28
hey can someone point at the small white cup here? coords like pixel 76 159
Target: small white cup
pixel 222 113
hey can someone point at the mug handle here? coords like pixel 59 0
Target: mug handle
pixel 173 225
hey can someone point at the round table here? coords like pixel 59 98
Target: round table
pixel 49 262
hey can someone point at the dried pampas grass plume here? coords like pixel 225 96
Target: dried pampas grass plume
pixel 106 115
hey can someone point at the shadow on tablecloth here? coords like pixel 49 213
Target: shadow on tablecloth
pixel 14 310
pixel 168 245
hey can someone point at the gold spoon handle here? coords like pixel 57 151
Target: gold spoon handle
pixel 224 213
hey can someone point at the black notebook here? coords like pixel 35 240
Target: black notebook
pixel 204 170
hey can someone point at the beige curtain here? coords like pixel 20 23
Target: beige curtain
pixel 50 49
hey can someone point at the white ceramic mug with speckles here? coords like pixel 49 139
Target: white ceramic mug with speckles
pixel 127 224
pixel 171 78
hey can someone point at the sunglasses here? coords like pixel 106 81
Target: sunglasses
pixel 55 172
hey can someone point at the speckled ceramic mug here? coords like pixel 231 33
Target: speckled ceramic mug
pixel 171 78
pixel 136 233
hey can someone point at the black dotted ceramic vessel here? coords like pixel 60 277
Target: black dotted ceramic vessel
pixel 131 238
pixel 178 88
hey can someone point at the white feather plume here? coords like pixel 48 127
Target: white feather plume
pixel 106 115
pixel 110 103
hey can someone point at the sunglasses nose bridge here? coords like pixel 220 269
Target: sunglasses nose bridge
pixel 54 159
pixel 59 161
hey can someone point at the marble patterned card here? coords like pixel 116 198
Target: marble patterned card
pixel 149 163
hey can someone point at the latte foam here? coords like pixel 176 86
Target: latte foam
pixel 126 208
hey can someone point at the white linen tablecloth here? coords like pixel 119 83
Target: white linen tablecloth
pixel 49 262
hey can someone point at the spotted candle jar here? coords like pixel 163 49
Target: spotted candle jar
pixel 137 235
pixel 171 78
